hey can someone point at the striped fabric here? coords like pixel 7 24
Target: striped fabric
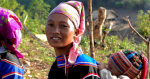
pixel 84 65
pixel 84 61
pixel 90 74
pixel 10 70
pixel 124 65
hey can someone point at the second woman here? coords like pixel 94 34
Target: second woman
pixel 64 28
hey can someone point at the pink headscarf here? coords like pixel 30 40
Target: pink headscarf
pixel 74 10
pixel 10 27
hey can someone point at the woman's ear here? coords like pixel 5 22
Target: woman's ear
pixel 76 33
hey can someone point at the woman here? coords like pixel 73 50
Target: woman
pixel 65 26
pixel 10 37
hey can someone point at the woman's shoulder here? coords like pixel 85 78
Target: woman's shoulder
pixel 11 59
pixel 10 70
pixel 85 59
pixel 9 67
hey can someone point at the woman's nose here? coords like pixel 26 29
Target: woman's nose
pixel 56 30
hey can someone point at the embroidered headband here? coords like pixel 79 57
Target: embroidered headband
pixel 74 10
pixel 10 33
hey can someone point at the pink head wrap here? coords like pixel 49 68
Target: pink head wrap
pixel 122 61
pixel 10 34
pixel 74 10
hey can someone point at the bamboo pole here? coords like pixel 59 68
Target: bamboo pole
pixel 91 28
pixel 148 56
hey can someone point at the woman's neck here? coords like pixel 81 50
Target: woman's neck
pixel 62 50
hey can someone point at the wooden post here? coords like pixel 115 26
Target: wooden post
pixel 101 19
pixel 91 30
pixel 148 56
pixel 149 16
pixel 148 52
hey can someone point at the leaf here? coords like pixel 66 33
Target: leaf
pixel 2 17
pixel 1 24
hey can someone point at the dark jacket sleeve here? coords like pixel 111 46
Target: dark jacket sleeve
pixel 56 73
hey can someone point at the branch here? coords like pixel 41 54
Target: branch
pixel 87 25
pixel 136 32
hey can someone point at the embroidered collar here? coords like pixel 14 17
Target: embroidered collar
pixel 63 59
pixel 3 50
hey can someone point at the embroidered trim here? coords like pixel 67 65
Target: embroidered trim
pixel 12 63
pixel 12 73
pixel 86 64
pixel 90 74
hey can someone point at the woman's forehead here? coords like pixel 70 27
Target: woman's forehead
pixel 57 17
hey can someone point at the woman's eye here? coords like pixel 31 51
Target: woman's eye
pixel 63 26
pixel 50 24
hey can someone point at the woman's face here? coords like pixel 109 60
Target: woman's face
pixel 60 30
pixel 112 68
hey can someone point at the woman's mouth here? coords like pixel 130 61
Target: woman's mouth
pixel 55 38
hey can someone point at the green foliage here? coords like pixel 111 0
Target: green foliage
pixel 85 43
pixel 52 3
pixel 38 10
pixel 143 23
pixel 113 44
pixel 14 6
pixel 25 3
pixel 119 4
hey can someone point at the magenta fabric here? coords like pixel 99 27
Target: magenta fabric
pixel 74 10
pixel 145 68
pixel 10 27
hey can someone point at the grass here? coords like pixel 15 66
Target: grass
pixel 39 57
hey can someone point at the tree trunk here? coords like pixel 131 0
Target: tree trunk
pixel 148 52
pixel 101 19
pixel 106 31
pixel 91 30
